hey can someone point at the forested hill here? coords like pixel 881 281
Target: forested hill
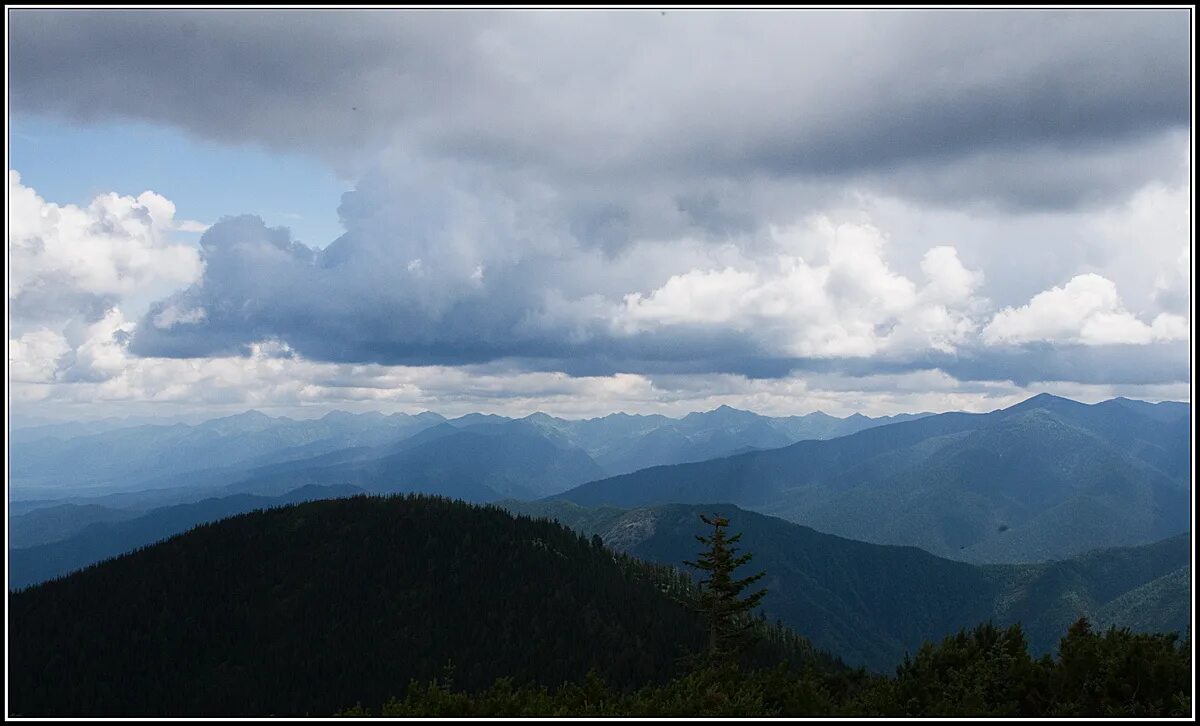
pixel 307 608
pixel 871 604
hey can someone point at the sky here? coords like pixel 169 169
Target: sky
pixel 595 211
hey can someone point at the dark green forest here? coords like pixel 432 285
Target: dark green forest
pixel 422 606
pixel 306 609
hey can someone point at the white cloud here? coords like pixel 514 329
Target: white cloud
pixel 1143 244
pixel 1167 326
pixel 97 350
pixel 172 316
pixel 190 225
pixel 1088 311
pixel 850 305
pixel 90 352
pixel 68 260
pixel 699 296
pixel 72 270
pixel 949 281
pixel 1172 287
pixel 33 357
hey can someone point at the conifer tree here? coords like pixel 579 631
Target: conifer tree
pixel 720 601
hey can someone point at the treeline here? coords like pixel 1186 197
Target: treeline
pixel 984 672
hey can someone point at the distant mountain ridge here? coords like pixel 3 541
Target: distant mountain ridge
pixel 100 462
pixel 1046 478
pixel 621 443
pixel 149 456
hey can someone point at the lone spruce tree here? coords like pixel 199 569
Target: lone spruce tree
pixel 720 601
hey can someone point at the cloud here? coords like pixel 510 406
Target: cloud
pixel 567 205
pixel 272 377
pixel 1172 287
pixel 68 260
pixel 411 294
pixel 567 329
pixel 1086 310
pixel 172 316
pixel 853 305
pixel 84 352
pixel 824 293
pixel 33 357
pixel 95 352
pixel 507 283
pixel 71 271
pixel 1144 244
pixel 190 225
pixel 949 281
pixel 1112 364
pixel 1013 108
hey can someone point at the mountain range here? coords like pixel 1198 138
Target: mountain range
pixel 141 466
pixel 876 536
pixel 1047 478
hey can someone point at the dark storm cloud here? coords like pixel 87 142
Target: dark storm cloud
pixel 350 304
pixel 651 100
pixel 1099 364
pixel 281 79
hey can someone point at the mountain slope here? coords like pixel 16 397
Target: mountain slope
pixel 51 524
pixel 871 603
pixel 1048 478
pixel 1162 603
pixel 309 608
